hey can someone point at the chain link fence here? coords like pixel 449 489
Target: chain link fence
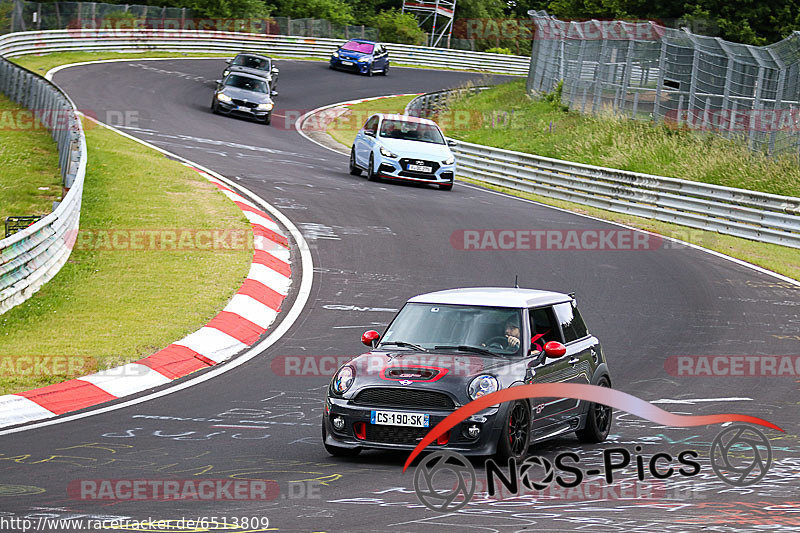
pixel 18 15
pixel 647 71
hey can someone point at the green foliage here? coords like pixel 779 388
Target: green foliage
pixel 497 50
pixel 554 97
pixel 336 11
pixel 226 8
pixel 397 27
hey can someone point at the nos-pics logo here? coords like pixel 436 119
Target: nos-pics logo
pixel 446 481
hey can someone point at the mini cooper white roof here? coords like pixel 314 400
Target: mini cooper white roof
pixel 493 297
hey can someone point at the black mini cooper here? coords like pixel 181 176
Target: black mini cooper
pixel 446 348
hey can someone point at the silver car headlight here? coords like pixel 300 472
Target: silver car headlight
pixel 344 379
pixel 364 59
pixel 265 107
pixel 387 153
pixel 483 385
pixel 222 97
pixel 449 161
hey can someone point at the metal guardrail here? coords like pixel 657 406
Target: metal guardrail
pixel 32 256
pixel 749 214
pixel 138 40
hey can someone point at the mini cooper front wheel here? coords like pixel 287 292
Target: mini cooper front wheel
pixel 516 434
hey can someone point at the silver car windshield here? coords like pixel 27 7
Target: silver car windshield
pixel 411 131
pixel 432 325
pixel 242 82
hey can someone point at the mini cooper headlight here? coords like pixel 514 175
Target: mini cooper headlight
pixel 344 379
pixel 387 153
pixel 364 59
pixel 449 161
pixel 222 97
pixel 265 107
pixel 483 385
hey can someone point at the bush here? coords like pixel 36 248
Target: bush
pixel 497 50
pixel 396 27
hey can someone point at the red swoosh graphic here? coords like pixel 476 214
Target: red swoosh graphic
pixel 590 393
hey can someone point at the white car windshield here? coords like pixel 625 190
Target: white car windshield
pixel 433 325
pixel 411 131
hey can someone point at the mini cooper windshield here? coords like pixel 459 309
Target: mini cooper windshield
pixel 242 82
pixel 411 131
pixel 476 329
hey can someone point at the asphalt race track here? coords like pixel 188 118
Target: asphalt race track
pixel 374 245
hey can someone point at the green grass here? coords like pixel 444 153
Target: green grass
pixel 30 179
pixel 779 259
pixel 535 126
pixel 112 307
pixel 345 128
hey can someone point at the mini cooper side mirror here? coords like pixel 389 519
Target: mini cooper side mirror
pixel 370 338
pixel 554 349
pixel 218 82
pixel 275 70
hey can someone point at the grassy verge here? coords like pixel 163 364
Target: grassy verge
pixel 30 179
pixel 344 128
pixel 110 304
pixel 779 259
pixel 506 117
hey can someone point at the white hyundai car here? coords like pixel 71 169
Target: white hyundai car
pixel 402 147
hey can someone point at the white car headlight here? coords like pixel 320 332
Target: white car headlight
pixel 344 379
pixel 265 107
pixel 449 161
pixel 364 59
pixel 387 153
pixel 222 97
pixel 483 385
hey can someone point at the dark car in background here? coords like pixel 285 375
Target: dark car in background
pixel 447 348
pixel 243 95
pixel 255 65
pixel 362 56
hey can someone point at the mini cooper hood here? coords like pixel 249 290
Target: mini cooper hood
pixel 244 94
pixel 423 367
pixel 416 149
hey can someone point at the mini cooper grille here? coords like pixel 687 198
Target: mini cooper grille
pixel 242 103
pixel 395 434
pixel 397 397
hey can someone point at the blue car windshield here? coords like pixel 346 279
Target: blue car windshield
pixel 432 325
pixel 250 84
pixel 411 131
pixel 355 46
pixel 251 62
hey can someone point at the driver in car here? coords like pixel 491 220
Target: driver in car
pixel 513 335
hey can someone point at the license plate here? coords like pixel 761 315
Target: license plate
pixel 347 62
pixel 392 418
pixel 419 168
pixel 243 108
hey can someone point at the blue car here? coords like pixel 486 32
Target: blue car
pixel 364 57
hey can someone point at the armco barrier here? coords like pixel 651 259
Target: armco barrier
pixel 31 257
pixel 138 40
pixel 752 215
